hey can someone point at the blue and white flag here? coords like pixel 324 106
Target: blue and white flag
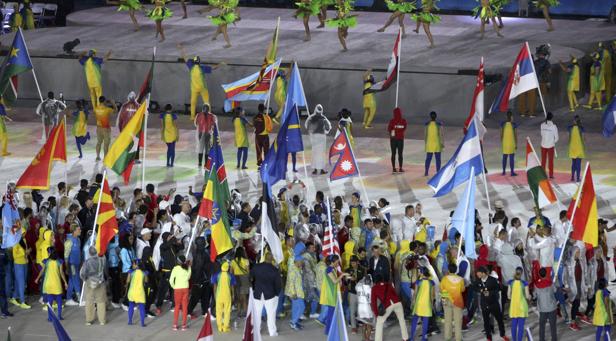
pixel 457 170
pixel 337 329
pixel 463 218
pixel 11 233
pixel 609 118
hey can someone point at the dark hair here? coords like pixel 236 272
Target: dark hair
pixel 348 218
pixel 50 94
pixel 354 259
pixel 98 178
pixel 601 283
pixel 27 211
pixel 543 272
pixel 413 245
pixel 124 243
pixel 375 247
pixel 168 107
pixel 563 214
pixel 549 116
pixel 149 188
pixel 83 183
pixel 320 195
pixel 240 253
pixel 102 99
pixel 52 253
pixel 331 259
pixel 482 269
pixel 366 221
pixel 452 268
pixel 261 107
pixel 361 249
pixel 515 220
pixel 182 262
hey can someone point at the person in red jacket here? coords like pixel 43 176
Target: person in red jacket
pixel 384 294
pixel 396 129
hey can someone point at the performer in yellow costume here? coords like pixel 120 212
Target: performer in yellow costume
pixel 399 8
pixel 80 125
pixel 226 15
pixel 577 150
pixel 422 309
pixel 280 95
pixel 223 289
pixel 573 82
pixel 4 135
pixel 597 83
pixel 602 317
pixel 169 133
pixel 488 11
pixel 53 281
pixel 92 67
pixel 509 141
pixel 545 5
pixel 159 13
pixel 425 17
pixel 607 69
pixel 369 100
pixel 518 312
pixel 137 279
pixel 433 142
pixel 343 20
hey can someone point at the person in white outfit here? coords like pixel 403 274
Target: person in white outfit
pixel 318 127
pixel 549 137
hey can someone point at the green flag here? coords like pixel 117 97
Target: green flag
pixel 16 62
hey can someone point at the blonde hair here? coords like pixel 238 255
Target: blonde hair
pixel 64 202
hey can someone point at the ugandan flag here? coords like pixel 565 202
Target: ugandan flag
pixel 123 152
pixel 582 212
pixel 538 181
pixel 106 218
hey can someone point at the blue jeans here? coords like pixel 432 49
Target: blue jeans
pixel 74 283
pixel 437 156
pixel 170 154
pixel 407 293
pixel 297 309
pixel 281 298
pixel 576 168
pixel 20 271
pixel 511 158
pixel 8 279
pixel 517 328
pixel 329 317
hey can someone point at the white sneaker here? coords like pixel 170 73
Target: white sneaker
pixel 124 307
pixel 41 300
pixel 116 305
pixel 302 317
pixel 212 317
pixel 71 302
pixel 314 316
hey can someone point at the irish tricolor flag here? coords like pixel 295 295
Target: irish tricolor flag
pixel 537 179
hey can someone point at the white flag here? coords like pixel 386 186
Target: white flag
pixel 269 235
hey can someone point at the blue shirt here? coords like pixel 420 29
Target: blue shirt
pixel 204 68
pixel 127 256
pixel 112 253
pixel 97 60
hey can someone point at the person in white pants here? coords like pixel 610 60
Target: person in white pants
pixel 266 285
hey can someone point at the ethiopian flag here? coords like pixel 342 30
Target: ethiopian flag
pixel 537 179
pixel 17 61
pixel 123 152
pixel 583 210
pixel 106 218
pixel 214 202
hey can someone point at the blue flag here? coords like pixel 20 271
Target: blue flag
pixel 274 167
pixel 10 221
pixel 463 219
pixel 60 332
pixel 295 99
pixel 609 118
pixel 337 329
pixel 17 61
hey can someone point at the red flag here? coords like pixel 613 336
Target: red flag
pixel 206 333
pixel 106 218
pixel 60 151
pixel 585 222
pixel 477 107
pixel 330 244
pixel 392 69
pixel 249 326
pixel 37 175
pixel 346 165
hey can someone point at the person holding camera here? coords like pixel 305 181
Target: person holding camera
pixel 384 301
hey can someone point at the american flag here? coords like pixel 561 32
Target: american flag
pixel 330 244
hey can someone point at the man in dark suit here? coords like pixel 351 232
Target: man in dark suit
pixel 379 264
pixel 489 293
pixel 266 285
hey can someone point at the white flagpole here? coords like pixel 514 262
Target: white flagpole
pixel 98 207
pixel 66 154
pixel 38 88
pixel 485 180
pixel 361 180
pixel 300 132
pixel 193 236
pixel 399 42
pixel 570 223
pixel 331 228
pixel 535 74
pixel 468 200
pixel 145 140
pixel 298 119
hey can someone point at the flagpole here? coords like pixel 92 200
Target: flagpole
pixel 535 74
pixel 570 224
pixel 329 220
pixel 145 140
pixel 468 198
pixel 94 231
pixel 193 236
pixel 301 84
pixel 485 180
pixel 38 88
pixel 398 71
pixel 65 154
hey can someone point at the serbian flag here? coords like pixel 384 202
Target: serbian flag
pixel 538 181
pixel 477 108
pixel 37 175
pixel 346 165
pixel 392 69
pixel 206 333
pixel 582 212
pixel 522 77
pixel 106 218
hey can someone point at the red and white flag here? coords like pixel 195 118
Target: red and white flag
pixel 477 107
pixel 346 165
pixel 206 333
pixel 392 69
pixel 250 334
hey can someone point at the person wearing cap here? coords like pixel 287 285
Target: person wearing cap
pixel 224 283
pixel 92 67
pixel 205 121
pixel 179 282
pixel 489 293
pixel 549 137
pixel 294 287
pixel 573 81
pixel 143 241
pixel 93 273
pixel 434 142
pixel 266 285
pixel 318 127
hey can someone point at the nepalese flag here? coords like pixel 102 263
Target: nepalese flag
pixel 522 77
pixel 346 165
pixel 609 118
pixel 392 69
pixel 240 90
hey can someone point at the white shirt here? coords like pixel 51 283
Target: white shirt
pixel 558 232
pixel 182 220
pixel 545 245
pixel 516 233
pixel 549 134
pixel 141 244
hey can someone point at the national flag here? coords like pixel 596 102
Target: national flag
pixel 213 205
pixel 392 69
pixel 296 98
pixel 11 223
pixel 456 171
pixel 582 212
pixel 216 162
pixel 346 165
pixel 337 329
pixel 609 118
pixel 37 175
pixel 146 86
pixel 463 219
pixel 269 234
pixel 477 108
pixel 540 186
pixel 270 57
pixel 124 150
pixel 522 78
pixel 206 333
pixel 17 61
pixel 57 326
pixel 106 218
pixel 330 243
pixel 250 334
pixel 239 91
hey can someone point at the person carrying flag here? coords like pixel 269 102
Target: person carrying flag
pixel 369 100
pixel 577 149
pixel 509 142
pixel 80 125
pixel 396 128
pixel 4 135
pixel 573 81
pixel 433 142
pixel 92 67
pixel 330 289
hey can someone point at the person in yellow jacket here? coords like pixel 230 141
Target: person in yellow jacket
pixel 54 281
pixel 602 317
pixel 577 150
pixel 573 81
pixel 136 283
pixel 422 307
pixel 433 142
pixel 509 142
pixel 92 68
pixel 597 83
pixel 169 133
pixel 43 243
pixel 607 69
pixel 369 103
pixel 349 248
pixel 224 282
pixel 80 125
pixel 518 292
pixel 4 135
pixel 179 281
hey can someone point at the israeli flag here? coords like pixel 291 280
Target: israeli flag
pixel 457 170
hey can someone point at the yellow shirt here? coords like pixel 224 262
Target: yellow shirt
pixel 19 254
pixel 240 268
pixel 52 281
pixel 179 278
pixel 102 113
pixel 433 138
pixel 508 138
pixel 136 290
